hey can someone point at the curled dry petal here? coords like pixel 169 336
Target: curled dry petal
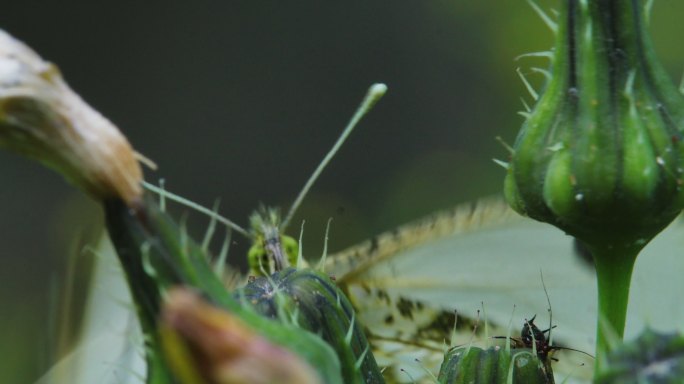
pixel 42 118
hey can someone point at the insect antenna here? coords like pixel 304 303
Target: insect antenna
pixel 375 92
pixel 549 342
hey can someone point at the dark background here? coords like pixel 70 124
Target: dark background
pixel 240 100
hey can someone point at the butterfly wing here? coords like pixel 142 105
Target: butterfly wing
pixel 484 254
pixel 110 350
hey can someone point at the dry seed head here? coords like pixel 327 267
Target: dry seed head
pixel 42 118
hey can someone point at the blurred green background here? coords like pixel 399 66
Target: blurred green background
pixel 240 100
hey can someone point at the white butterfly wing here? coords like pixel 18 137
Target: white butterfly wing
pixel 111 347
pixel 485 253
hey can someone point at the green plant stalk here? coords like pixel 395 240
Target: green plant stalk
pixel 614 267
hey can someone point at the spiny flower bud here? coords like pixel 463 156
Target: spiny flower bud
pixel 42 118
pixel 493 365
pixel 316 304
pixel 601 155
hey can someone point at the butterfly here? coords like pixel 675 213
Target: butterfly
pixel 484 253
pixel 406 284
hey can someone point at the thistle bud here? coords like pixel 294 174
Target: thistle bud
pixel 601 154
pixel 493 365
pixel 319 306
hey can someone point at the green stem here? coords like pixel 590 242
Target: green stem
pixel 613 273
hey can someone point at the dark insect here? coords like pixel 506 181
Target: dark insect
pixel 533 337
pixel 540 341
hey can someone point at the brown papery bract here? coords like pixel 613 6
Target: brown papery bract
pixel 43 119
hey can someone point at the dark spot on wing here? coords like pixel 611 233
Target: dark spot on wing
pixel 440 327
pixel 389 319
pixel 365 288
pixel 405 308
pixel 373 245
pixel 382 295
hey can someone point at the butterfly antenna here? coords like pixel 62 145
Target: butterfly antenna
pixel 375 92
pixel 191 204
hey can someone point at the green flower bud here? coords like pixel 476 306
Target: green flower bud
pixel 601 156
pixel 317 304
pixel 493 365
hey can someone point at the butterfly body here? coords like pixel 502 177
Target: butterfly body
pixel 271 250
